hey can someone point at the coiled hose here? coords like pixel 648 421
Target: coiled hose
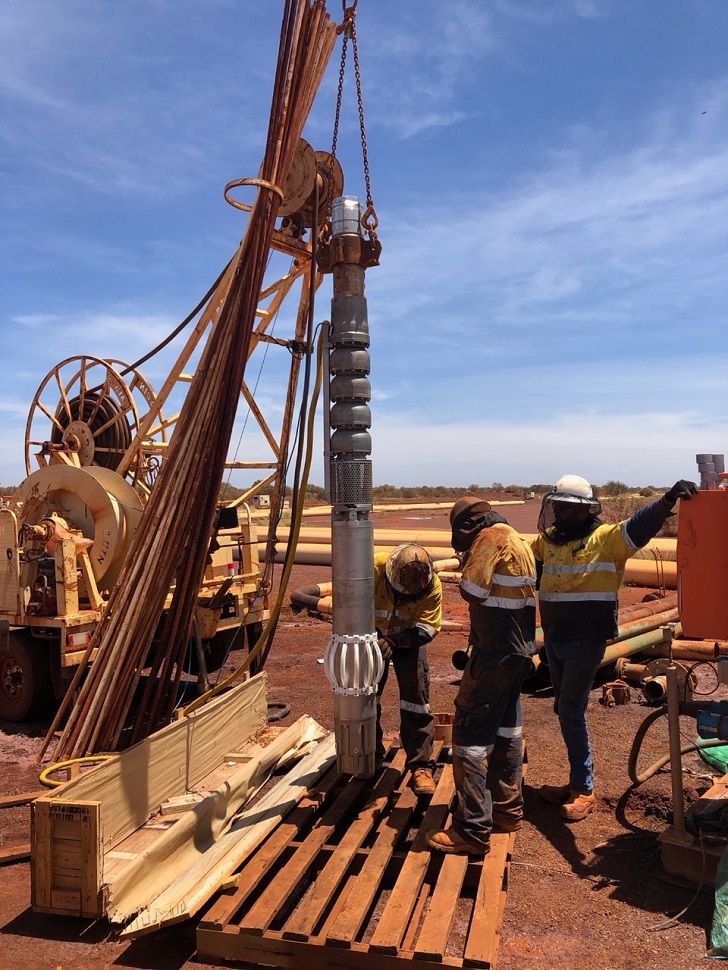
pixel 639 777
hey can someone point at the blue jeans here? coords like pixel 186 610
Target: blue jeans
pixel 573 665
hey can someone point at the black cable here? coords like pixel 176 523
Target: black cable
pixel 188 319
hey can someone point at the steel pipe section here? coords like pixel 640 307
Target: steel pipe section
pixel 352 660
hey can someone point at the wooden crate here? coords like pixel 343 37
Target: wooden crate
pixel 79 830
pixel 347 880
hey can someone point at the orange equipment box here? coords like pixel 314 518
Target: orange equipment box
pixel 702 565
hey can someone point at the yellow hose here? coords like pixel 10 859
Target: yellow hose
pixel 49 782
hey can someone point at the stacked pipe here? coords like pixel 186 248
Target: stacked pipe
pixel 654 566
pixel 711 467
pixel 171 544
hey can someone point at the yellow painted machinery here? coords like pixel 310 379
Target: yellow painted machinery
pixel 65 535
pixel 97 429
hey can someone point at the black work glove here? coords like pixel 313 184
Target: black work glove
pixel 386 645
pixel 462 557
pixel 681 489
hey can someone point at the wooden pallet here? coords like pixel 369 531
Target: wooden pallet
pixel 347 881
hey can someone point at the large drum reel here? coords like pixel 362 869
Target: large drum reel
pixel 94 500
pixel 95 408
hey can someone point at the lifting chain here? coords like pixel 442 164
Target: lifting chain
pixel 348 28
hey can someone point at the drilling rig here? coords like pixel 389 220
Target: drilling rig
pixel 96 439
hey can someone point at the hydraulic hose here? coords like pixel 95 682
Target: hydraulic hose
pixel 45 775
pixel 295 530
pixel 638 778
pixel 307 597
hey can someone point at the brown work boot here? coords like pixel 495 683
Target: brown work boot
pixel 447 840
pixel 555 794
pixel 578 806
pixel 423 782
pixel 507 823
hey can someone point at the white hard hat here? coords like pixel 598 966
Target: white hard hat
pixel 409 569
pixel 573 488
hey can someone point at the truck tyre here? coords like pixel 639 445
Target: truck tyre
pixel 26 686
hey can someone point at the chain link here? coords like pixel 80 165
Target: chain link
pixel 339 96
pixel 348 28
pixel 360 101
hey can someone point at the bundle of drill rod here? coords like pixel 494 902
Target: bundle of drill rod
pixel 171 546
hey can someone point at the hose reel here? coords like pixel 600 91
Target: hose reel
pixel 94 409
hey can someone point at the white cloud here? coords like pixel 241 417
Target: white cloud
pixel 639 449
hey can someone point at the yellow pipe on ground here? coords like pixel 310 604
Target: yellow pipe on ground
pixel 650 567
pixel 409 506
pixel 656 550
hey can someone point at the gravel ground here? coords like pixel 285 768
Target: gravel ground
pixel 587 895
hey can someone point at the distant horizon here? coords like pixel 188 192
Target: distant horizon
pixel 493 487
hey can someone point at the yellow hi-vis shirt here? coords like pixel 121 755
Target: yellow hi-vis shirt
pixel 393 614
pixel 499 583
pixel 579 592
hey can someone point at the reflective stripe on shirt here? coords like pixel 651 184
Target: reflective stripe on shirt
pixel 486 595
pixel 627 539
pixel 556 597
pixel 502 580
pixel 505 603
pixel 472 589
pixel 581 567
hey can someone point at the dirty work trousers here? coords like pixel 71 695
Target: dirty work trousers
pixel 573 665
pixel 416 723
pixel 487 754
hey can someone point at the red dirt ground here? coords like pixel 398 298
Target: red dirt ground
pixel 590 895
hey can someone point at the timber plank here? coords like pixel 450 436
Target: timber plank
pixel 390 931
pixel 42 868
pixel 92 862
pixel 356 906
pixel 433 937
pixel 482 943
pixel 14 853
pixel 224 909
pixel 359 888
pixel 8 801
pixel 408 943
pixel 316 900
pixel 272 950
pixel 66 854
pixel 278 892
pixel 66 901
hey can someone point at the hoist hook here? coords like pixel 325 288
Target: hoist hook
pixel 347 23
pixel 369 220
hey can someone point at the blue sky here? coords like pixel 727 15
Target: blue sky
pixel 551 182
